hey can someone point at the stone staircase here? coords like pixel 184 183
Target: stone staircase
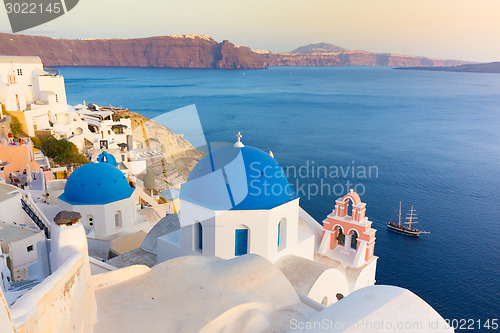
pixel 40 158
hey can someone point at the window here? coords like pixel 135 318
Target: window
pixel 57 98
pixel 197 236
pixel 18 103
pixel 241 241
pixel 354 241
pixel 19 71
pixel 281 234
pixel 340 237
pixel 118 219
pixel 90 220
pixel 29 248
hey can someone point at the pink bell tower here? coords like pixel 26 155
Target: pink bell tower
pixel 340 230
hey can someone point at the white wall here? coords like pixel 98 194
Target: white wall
pixel 104 215
pixel 55 84
pixel 11 101
pixel 331 282
pixel 21 258
pixel 63 302
pixel 219 232
pixel 367 275
pixel 6 325
pixel 29 72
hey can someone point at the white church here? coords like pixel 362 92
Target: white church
pixel 242 232
pixel 101 193
pixel 237 200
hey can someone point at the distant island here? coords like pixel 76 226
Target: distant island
pixel 193 51
pixel 491 67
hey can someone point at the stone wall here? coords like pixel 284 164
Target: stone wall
pixel 4 126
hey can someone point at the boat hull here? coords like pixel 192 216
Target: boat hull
pixel 403 230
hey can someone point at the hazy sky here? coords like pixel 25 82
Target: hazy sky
pixel 453 29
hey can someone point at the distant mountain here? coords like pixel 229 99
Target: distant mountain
pixel 490 67
pixel 318 48
pixel 192 51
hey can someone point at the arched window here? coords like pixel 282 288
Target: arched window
pixel 354 240
pixel 282 234
pixel 197 237
pixel 349 209
pixel 341 236
pixel 118 219
pixel 241 244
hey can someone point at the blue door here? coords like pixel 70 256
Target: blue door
pixel 241 242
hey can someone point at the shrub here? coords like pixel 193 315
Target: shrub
pixel 62 151
pixel 36 141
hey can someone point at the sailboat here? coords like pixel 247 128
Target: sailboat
pixel 401 228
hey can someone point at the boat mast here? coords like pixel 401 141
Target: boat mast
pixel 410 217
pixel 399 214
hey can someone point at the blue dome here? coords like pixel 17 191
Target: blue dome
pixel 232 178
pixel 96 184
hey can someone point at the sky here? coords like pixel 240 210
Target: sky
pixel 449 29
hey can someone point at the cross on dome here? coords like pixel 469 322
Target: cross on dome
pixel 238 143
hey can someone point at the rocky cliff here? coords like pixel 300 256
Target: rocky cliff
pixel 352 58
pixel 490 67
pixel 186 51
pixel 192 51
pixel 179 155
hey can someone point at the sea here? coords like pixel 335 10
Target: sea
pixel 430 140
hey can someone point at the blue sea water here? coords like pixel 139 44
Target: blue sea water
pixel 432 140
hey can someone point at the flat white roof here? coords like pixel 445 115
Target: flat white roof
pixel 7 192
pixel 20 59
pixel 12 233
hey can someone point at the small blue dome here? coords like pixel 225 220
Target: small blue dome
pixel 233 178
pixel 104 157
pixel 96 184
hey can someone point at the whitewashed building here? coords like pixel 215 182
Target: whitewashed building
pixel 22 226
pixel 37 97
pixel 237 200
pixel 102 194
pixel 19 246
pixel 103 130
